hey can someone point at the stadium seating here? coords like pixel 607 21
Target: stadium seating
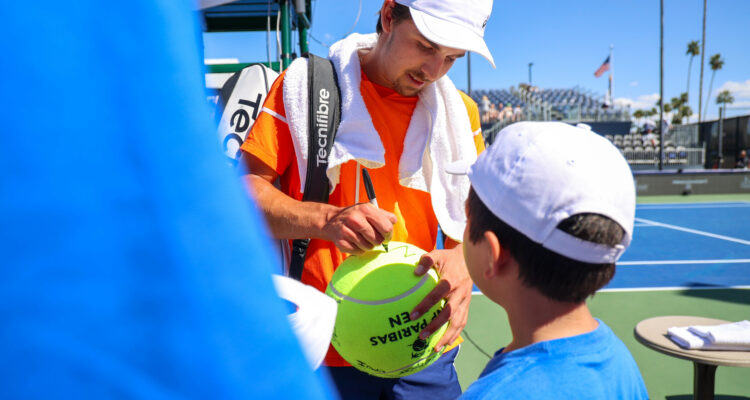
pixel 649 155
pixel 575 105
pixel 496 96
pixel 638 151
pixel 671 154
pixel 564 104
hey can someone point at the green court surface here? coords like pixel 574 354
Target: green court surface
pixel 666 377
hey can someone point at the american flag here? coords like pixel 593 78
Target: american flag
pixel 604 68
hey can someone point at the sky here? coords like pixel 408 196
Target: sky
pixel 567 44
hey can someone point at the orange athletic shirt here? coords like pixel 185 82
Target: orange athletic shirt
pixel 270 141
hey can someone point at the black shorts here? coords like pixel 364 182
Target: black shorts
pixel 438 381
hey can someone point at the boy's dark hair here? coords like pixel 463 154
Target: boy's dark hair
pixel 400 13
pixel 555 276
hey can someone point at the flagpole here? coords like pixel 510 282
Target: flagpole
pixel 661 85
pixel 611 73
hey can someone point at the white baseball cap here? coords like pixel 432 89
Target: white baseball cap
pixel 536 174
pixel 453 23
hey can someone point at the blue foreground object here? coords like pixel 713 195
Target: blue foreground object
pixel 132 265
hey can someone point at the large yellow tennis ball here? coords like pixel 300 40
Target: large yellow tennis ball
pixel 375 293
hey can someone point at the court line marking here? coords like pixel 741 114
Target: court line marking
pixel 688 203
pixel 690 206
pixel 695 231
pixel 655 288
pixel 647 289
pixel 668 262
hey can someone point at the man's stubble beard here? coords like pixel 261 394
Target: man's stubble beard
pixel 396 85
pixel 408 91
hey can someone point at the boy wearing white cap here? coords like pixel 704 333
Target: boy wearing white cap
pixel 550 211
pixel 403 119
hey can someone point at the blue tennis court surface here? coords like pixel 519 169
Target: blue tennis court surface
pixel 687 245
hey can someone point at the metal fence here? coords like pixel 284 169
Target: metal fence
pixel 648 157
pixel 489 134
pixel 683 135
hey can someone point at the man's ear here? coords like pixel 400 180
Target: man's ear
pixel 498 256
pixel 386 15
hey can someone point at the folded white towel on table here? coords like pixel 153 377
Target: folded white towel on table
pixel 730 336
pixel 686 339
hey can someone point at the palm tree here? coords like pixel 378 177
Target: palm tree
pixel 684 98
pixel 684 112
pixel 676 102
pixel 638 115
pixel 692 50
pixel 725 97
pixel 716 64
pixel 679 108
pixel 670 107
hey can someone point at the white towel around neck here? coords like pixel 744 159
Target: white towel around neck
pixel 439 133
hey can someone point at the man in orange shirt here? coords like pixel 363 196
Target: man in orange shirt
pixel 403 119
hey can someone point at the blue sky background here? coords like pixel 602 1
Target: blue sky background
pixel 567 41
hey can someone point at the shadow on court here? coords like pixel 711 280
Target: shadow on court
pixel 725 295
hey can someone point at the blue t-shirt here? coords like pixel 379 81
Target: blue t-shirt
pixel 595 365
pixel 132 265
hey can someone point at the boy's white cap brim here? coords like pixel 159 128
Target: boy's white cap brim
pixel 537 174
pixel 314 319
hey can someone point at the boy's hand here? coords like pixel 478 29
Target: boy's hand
pixel 455 285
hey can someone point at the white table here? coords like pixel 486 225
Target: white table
pixel 652 333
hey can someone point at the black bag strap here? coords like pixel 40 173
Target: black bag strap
pixel 324 117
